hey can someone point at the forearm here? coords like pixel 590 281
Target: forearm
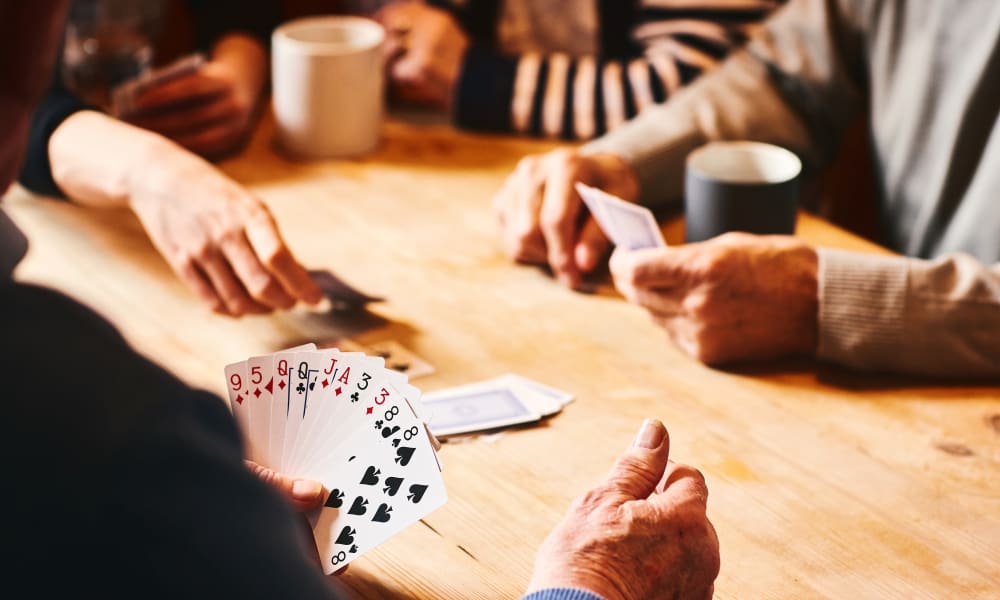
pixel 899 314
pixel 97 160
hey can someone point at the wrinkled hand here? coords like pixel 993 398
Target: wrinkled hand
pixel 642 533
pixel 542 218
pixel 211 111
pixel 218 237
pixel 735 297
pixel 424 50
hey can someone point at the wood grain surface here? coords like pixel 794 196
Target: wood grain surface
pixel 824 483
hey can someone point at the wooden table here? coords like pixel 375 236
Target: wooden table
pixel 823 483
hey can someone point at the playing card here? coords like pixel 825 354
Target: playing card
pixel 236 376
pixel 560 397
pixel 343 377
pixel 395 483
pixel 281 403
pixel 260 376
pixel 305 393
pixel 477 407
pixel 628 225
pixel 338 293
pixel 123 95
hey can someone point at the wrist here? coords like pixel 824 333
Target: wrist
pixel 805 290
pixel 150 167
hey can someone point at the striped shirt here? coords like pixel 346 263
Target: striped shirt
pixel 574 69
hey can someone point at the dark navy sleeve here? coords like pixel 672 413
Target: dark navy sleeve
pixel 127 483
pixel 36 173
pixel 484 90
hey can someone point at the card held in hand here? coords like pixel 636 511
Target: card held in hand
pixel 628 225
pixel 346 420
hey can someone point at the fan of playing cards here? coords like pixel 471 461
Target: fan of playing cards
pixel 343 419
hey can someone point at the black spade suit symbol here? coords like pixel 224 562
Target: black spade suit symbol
pixel 383 513
pixel 403 455
pixel 389 431
pixel 416 492
pixel 346 536
pixel 336 499
pixel 392 485
pixel 359 507
pixel 371 476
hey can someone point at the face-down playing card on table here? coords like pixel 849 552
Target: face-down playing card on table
pixel 338 293
pixel 628 225
pixel 341 410
pixel 503 401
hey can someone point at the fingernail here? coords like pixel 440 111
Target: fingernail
pixel 650 435
pixel 305 489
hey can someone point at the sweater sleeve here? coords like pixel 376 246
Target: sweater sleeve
pixel 57 106
pixel 562 594
pixel 796 84
pixel 578 97
pixel 939 317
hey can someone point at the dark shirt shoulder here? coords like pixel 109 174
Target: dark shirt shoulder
pixel 124 481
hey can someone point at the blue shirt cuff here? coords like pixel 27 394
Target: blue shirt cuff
pixel 562 594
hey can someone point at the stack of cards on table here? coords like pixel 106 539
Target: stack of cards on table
pixel 500 402
pixel 628 225
pixel 343 419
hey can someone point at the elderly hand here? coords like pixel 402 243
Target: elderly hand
pixel 642 533
pixel 209 112
pixel 219 238
pixel 425 50
pixel 735 297
pixel 544 221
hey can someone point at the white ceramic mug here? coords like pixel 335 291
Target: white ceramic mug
pixel 328 86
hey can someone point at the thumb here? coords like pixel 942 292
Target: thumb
pixel 637 472
pixel 591 246
pixel 302 493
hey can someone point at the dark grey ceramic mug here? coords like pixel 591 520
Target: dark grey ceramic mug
pixel 740 186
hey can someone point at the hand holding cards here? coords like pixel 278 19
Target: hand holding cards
pixel 628 225
pixel 343 419
pixel 124 95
